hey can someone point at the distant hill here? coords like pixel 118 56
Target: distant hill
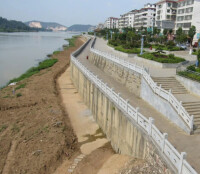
pixel 46 25
pixel 79 27
pixel 14 26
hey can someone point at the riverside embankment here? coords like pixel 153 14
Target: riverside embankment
pixel 102 98
pixel 35 131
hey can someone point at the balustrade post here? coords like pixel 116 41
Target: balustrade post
pixel 151 122
pixel 183 157
pixel 137 110
pixel 169 94
pixel 106 88
pixel 127 101
pixel 160 89
pixel 118 98
pixel 165 136
pixel 112 89
pixel 155 87
pixel 191 122
pixel 179 108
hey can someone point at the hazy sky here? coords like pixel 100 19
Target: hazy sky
pixel 67 12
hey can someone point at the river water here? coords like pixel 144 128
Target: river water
pixel 20 51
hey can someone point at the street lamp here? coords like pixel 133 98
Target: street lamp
pixel 142 44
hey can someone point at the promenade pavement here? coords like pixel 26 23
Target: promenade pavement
pixel 179 139
pixel 154 71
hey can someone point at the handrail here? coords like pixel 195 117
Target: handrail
pixel 178 160
pixel 167 95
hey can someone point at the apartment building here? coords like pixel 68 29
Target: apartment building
pixel 111 23
pixel 127 19
pixel 145 17
pixel 188 14
pixel 166 14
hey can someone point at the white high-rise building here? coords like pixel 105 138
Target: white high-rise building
pixel 166 14
pixel 127 19
pixel 111 23
pixel 145 17
pixel 188 14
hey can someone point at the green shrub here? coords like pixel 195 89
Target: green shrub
pixel 21 86
pixel 129 51
pixel 19 95
pixel 42 65
pixel 191 68
pixel 189 75
pixel 171 56
pixel 162 58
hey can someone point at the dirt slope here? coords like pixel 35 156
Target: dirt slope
pixel 35 131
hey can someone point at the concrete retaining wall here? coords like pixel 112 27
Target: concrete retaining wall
pixel 131 80
pixel 190 85
pixel 125 136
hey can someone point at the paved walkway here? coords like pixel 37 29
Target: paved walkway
pixel 179 139
pixel 155 71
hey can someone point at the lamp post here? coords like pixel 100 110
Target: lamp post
pixel 142 45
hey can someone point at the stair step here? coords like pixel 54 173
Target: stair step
pixel 194 112
pixel 193 109
pixel 191 106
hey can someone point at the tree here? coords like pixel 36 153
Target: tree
pixel 131 35
pixel 170 31
pixel 191 33
pixel 181 37
pixel 165 31
pixel 179 31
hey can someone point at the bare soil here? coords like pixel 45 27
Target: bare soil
pixel 35 131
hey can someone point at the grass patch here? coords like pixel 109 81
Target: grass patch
pixel 7 96
pixel 56 52
pixel 19 95
pixel 3 127
pixel 167 47
pixel 129 51
pixel 21 86
pixel 191 73
pixel 161 58
pixel 42 65
pixel 71 41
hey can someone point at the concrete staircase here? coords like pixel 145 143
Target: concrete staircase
pixel 170 83
pixel 193 108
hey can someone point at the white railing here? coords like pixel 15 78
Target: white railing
pixel 177 160
pixel 167 95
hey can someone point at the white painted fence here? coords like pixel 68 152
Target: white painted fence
pixel 167 95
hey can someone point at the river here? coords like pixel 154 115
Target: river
pixel 20 51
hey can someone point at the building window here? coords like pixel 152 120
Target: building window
pixel 168 10
pixel 168 16
pixel 181 11
pixel 169 4
pixel 189 10
pixel 187 25
pixel 188 17
pixel 179 25
pixel 180 18
pixel 190 2
pixel 160 6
